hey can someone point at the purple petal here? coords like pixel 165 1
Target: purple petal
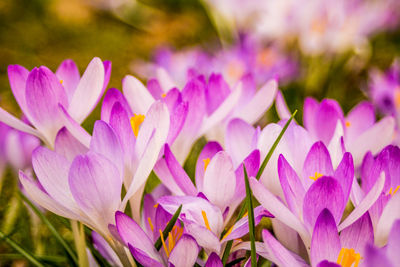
pixel 104 249
pixel 154 88
pixel 144 258
pixel 132 234
pixel 185 252
pixel 309 110
pixel 216 91
pixel 326 263
pixel 43 95
pixel 90 88
pixel 178 118
pixel 291 185
pixel 358 235
pixel 327 193
pixel 344 174
pixel 390 214
pixel 194 94
pixel 317 161
pixel 252 163
pixel 69 76
pixel 393 245
pixel 204 237
pixel 376 257
pixel 75 128
pixel 325 243
pixel 17 75
pixel 113 96
pixel 208 152
pixel 328 113
pixel 281 106
pixel 107 73
pixel 163 173
pixel 137 95
pixel 17 124
pixel 359 119
pixel 67 145
pixel 239 140
pixel 96 186
pixel 213 261
pixel 219 183
pixel 179 174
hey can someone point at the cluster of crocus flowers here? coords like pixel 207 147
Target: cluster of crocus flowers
pixel 329 189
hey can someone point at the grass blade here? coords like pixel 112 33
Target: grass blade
pixel 234 262
pixel 168 228
pixel 249 201
pixel 21 250
pixel 51 228
pixel 272 149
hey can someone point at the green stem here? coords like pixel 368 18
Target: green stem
pixel 250 219
pixel 79 239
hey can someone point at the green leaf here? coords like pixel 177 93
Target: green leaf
pixel 250 209
pixel 52 229
pixel 234 262
pixel 272 149
pixel 168 228
pixel 21 250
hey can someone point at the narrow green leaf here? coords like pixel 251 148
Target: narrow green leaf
pixel 249 201
pixel 272 149
pixel 52 229
pixel 21 250
pixel 168 228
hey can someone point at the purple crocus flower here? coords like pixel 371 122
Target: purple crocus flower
pixel 327 247
pixel 210 106
pixel 388 255
pixel 179 249
pixel 325 120
pixel 205 221
pixel 45 97
pixel 386 209
pixel 318 187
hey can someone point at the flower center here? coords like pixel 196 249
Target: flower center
pixel 347 257
pixel 316 176
pixel 206 162
pixel 173 237
pixel 348 124
pixel 136 120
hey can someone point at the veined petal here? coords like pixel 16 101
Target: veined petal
pixel 74 128
pixel 113 96
pixel 390 214
pixel 204 237
pixel 144 258
pixel 239 140
pixel 278 209
pixel 213 261
pixel 365 204
pixel 359 119
pixel 69 76
pixel 358 235
pixel 208 152
pixel 325 243
pixel 16 123
pixel 137 95
pixel 326 263
pixel 393 244
pixel 326 117
pixel 90 89
pixel 104 249
pixel 165 80
pixel 318 161
pixel 344 174
pixel 185 252
pixel 67 145
pixel 17 75
pixel 219 183
pixel 178 173
pixel 281 106
pixel 216 91
pixel 382 134
pixel 96 186
pixel 309 110
pixel 163 172
pixel 131 233
pixel 325 193
pixel 376 257
pixel 336 145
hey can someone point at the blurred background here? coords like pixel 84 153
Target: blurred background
pixel 327 52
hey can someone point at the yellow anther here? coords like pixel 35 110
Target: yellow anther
pixel 163 95
pixel 347 257
pixel 245 214
pixel 348 124
pixel 170 242
pixel 62 81
pixel 227 233
pixel 392 192
pixel 163 243
pixel 136 120
pixel 316 176
pixel 150 223
pixel 206 162
pixel 156 205
pixel 397 97
pixel 203 213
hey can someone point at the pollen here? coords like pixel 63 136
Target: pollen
pixel 348 124
pixel 316 176
pixel 392 192
pixel 397 97
pixel 136 121
pixel 206 162
pixel 203 213
pixel 62 81
pixel 163 95
pixel 227 233
pixel 150 223
pixel 156 205
pixel 347 257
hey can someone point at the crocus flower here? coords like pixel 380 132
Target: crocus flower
pixel 319 187
pixel 324 120
pixel 40 93
pixel 205 222
pixel 179 249
pixel 210 106
pixel 385 210
pixel 327 247
pixel 387 256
